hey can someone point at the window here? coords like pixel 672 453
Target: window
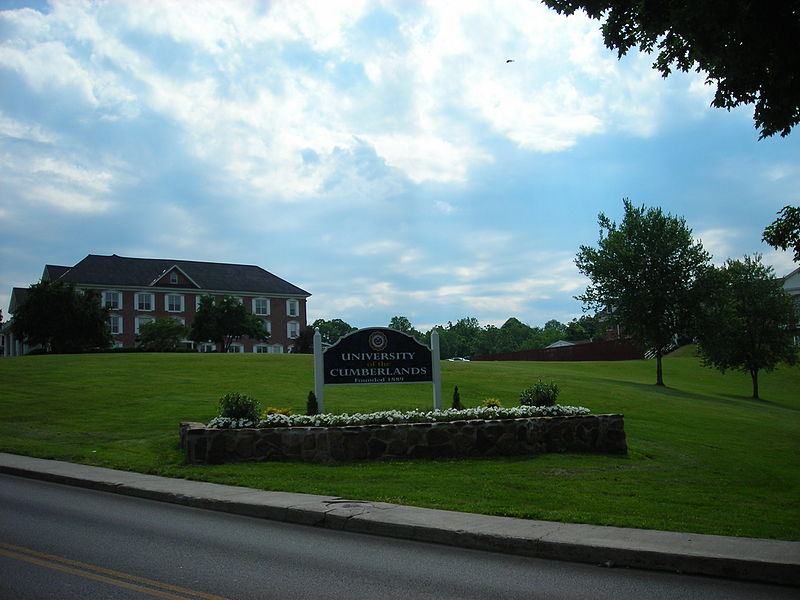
pixel 261 348
pixel 145 301
pixel 239 299
pixel 173 277
pixel 206 347
pixel 267 325
pixel 112 300
pixel 139 321
pixel 261 306
pixel 276 349
pixel 293 329
pixel 173 303
pixel 236 348
pixel 292 308
pixel 115 324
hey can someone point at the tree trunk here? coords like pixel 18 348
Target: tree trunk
pixel 754 375
pixel 659 370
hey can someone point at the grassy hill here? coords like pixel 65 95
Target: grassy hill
pixel 703 456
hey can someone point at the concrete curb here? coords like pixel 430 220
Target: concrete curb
pixel 748 559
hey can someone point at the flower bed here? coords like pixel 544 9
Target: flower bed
pixel 387 417
pixel 395 435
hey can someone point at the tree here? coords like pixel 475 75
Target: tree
pixel 784 232
pixel 303 343
pixel 162 335
pixel 225 322
pixel 403 325
pixel 332 330
pixel 746 319
pixel 62 319
pixel 643 269
pixel 748 49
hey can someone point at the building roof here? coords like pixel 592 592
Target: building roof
pixel 146 272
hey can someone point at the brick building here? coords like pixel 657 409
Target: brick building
pixel 140 290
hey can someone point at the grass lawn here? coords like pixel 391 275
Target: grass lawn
pixel 703 457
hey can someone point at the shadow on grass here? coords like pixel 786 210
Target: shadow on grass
pixel 727 399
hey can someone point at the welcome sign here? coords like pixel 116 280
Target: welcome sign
pixel 378 355
pixel 373 356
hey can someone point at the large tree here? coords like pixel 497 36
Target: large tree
pixel 748 49
pixel 225 322
pixel 404 325
pixel 643 270
pixel 332 330
pixel 162 335
pixel 62 319
pixel 784 232
pixel 746 319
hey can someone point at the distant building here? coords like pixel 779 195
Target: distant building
pixel 141 290
pixel 791 283
pixel 563 343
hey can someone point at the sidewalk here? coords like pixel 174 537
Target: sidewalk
pixel 748 559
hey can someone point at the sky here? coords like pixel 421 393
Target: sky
pixel 384 156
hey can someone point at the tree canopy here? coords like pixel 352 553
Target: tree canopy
pixel 784 232
pixel 642 271
pixel 403 325
pixel 62 319
pixel 332 330
pixel 224 322
pixel 748 49
pixel 162 335
pixel 746 319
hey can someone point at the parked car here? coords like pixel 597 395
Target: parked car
pixel 458 359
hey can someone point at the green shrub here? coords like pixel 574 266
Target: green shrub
pixel 539 394
pixel 312 408
pixel 491 402
pixel 457 400
pixel 238 406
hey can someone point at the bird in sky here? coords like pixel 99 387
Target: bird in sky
pixel 510 60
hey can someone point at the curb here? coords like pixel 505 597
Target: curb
pixel 748 559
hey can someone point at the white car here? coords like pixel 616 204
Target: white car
pixel 458 359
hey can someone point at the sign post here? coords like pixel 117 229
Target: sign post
pixel 378 355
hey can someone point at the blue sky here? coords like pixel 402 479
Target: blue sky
pixel 384 156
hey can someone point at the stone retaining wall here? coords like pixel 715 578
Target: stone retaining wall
pixel 506 437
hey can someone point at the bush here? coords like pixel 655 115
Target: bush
pixel 239 406
pixel 312 408
pixel 457 400
pixel 491 403
pixel 539 394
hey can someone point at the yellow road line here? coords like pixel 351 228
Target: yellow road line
pixel 90 572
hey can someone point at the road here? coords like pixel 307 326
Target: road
pixel 68 543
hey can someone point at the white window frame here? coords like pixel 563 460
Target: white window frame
pixel 261 349
pixel 105 301
pixel 255 305
pixel 239 349
pixel 275 349
pixel 173 277
pixel 141 320
pixel 112 318
pixel 267 325
pixel 290 325
pixel 292 307
pixel 207 347
pixel 151 301
pixel 166 303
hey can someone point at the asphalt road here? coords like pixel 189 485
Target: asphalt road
pixel 62 542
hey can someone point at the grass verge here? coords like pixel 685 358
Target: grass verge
pixel 703 456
